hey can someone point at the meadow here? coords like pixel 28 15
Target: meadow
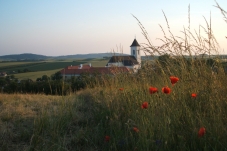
pixel 174 103
pixel 48 67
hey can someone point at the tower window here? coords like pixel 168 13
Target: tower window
pixel 134 52
pixel 138 52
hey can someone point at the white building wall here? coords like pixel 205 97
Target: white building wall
pixel 117 64
pixel 134 67
pixel 137 53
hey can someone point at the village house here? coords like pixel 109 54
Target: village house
pixel 116 65
pixel 71 71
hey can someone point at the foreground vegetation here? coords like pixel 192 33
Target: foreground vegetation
pixel 122 116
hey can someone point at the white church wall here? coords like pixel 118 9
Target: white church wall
pixel 117 64
pixel 137 53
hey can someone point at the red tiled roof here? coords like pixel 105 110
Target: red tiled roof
pixel 73 67
pixel 86 66
pixel 79 67
pixel 102 70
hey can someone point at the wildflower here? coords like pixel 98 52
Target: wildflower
pixel 135 129
pixel 121 89
pixel 107 138
pixel 144 105
pixel 194 95
pixel 153 90
pixel 201 132
pixel 166 90
pixel 174 80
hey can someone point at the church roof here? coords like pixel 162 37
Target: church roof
pixel 134 43
pixel 126 60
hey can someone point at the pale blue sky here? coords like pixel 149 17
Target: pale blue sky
pixel 57 27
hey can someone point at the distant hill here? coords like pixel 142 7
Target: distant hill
pixel 28 56
pixel 25 56
pixel 90 55
pixel 34 57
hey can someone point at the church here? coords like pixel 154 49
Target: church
pixel 124 64
pixel 132 61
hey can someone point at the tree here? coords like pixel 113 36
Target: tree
pixel 56 76
pixel 12 76
pixel 2 82
pixel 45 78
pixel 38 79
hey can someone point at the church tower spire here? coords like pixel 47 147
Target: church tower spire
pixel 135 51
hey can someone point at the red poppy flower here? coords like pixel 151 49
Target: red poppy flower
pixel 144 105
pixel 107 138
pixel 174 80
pixel 194 95
pixel 153 90
pixel 135 129
pixel 121 89
pixel 201 132
pixel 166 90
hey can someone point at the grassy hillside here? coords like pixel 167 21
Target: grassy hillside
pixel 34 75
pixel 25 56
pixel 98 62
pixel 13 64
pixel 28 56
pixel 36 66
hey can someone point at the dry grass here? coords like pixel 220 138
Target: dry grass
pixel 17 114
pixel 40 122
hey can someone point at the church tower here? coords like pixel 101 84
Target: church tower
pixel 135 51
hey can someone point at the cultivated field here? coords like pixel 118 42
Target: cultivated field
pixel 39 68
pixel 34 75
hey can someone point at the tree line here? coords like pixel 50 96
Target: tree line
pixel 53 85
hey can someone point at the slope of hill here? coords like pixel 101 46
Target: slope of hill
pixel 35 57
pixel 90 55
pixel 28 56
pixel 25 56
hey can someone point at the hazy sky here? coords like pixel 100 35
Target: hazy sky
pixel 65 27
